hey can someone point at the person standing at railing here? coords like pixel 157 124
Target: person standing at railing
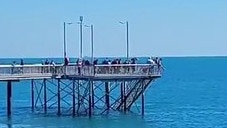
pixel 126 69
pixel 152 63
pixel 79 63
pixel 47 62
pixel 105 68
pixel 53 70
pixel 95 62
pixel 133 61
pixel 22 64
pixel 118 67
pixel 66 61
pixel 13 67
pixel 160 66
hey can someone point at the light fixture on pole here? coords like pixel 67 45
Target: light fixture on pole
pixel 127 40
pixel 92 42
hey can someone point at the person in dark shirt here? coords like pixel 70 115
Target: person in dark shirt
pixel 66 61
pixel 21 62
pixel 95 62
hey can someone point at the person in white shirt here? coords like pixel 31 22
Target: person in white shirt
pixel 150 61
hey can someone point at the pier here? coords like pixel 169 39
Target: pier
pixel 82 90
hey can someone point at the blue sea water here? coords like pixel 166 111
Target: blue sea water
pixel 192 93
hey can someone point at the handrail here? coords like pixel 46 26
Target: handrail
pixel 84 70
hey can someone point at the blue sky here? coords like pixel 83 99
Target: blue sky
pixel 32 28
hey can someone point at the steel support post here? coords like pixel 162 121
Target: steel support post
pixel 32 93
pixel 89 100
pixel 107 95
pixel 78 97
pixel 142 99
pixel 122 94
pixel 45 95
pixel 9 97
pixel 125 97
pixel 73 89
pixel 92 94
pixel 59 98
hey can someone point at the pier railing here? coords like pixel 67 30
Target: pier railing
pixel 75 70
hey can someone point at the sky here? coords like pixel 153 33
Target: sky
pixel 34 28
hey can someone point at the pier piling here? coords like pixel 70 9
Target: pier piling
pixel 32 94
pixel 59 98
pixel 92 95
pixel 142 99
pixel 9 97
pixel 45 96
pixel 125 97
pixel 74 104
pixel 122 92
pixel 89 99
pixel 107 95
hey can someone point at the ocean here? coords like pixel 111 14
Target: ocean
pixel 192 93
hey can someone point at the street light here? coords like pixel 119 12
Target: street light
pixel 127 41
pixel 65 39
pixel 92 42
pixel 81 36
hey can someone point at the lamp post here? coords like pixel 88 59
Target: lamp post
pixel 81 36
pixel 127 40
pixel 92 42
pixel 64 45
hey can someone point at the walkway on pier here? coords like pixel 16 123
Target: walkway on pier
pixel 117 71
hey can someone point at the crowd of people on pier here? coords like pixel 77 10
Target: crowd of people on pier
pixel 111 65
pixel 153 61
pixel 107 61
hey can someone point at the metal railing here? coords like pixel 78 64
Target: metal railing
pixel 75 70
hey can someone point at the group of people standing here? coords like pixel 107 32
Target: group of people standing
pixel 156 61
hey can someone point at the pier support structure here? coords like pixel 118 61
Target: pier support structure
pixel 9 97
pixel 88 97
